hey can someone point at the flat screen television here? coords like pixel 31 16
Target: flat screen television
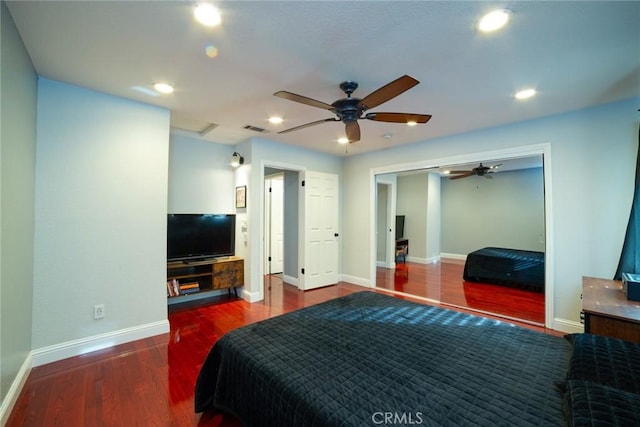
pixel 200 236
pixel 399 226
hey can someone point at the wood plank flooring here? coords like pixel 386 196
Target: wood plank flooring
pixel 150 382
pixel 442 282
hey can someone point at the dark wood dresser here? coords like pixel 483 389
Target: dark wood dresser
pixel 607 311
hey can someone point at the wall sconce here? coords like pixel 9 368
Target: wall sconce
pixel 236 159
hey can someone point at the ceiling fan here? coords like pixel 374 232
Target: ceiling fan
pixel 351 109
pixel 480 170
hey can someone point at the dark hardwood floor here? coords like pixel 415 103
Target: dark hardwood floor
pixel 150 382
pixel 442 282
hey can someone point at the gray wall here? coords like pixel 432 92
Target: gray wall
pixel 412 202
pixel 291 188
pixel 506 211
pixel 17 180
pixel 381 221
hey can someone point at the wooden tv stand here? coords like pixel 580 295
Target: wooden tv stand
pixel 210 275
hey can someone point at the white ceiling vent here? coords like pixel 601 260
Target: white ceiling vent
pixel 255 129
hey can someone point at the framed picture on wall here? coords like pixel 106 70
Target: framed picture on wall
pixel 241 197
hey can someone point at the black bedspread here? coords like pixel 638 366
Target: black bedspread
pixel 508 267
pixel 354 360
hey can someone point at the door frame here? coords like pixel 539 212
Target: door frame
pixel 261 225
pixel 543 149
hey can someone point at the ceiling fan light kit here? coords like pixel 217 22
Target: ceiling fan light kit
pixel 351 109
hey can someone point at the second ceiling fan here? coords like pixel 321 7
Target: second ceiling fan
pixel 480 170
pixel 350 109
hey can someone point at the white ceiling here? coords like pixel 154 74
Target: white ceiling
pixel 576 54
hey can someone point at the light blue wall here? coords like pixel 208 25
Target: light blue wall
pixel 200 177
pixel 592 166
pixel 17 180
pixel 101 211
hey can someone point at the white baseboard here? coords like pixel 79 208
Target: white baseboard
pixel 568 326
pixel 251 296
pixel 53 353
pixel 382 264
pixel 291 280
pixel 453 256
pixel 418 260
pixel 356 280
pixel 13 393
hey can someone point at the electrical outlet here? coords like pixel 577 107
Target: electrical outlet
pixel 98 311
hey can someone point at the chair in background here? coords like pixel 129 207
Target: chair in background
pixel 401 252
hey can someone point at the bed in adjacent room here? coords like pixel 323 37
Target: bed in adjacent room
pixel 508 267
pixel 355 360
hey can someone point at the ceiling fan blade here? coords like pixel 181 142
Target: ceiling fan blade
pixel 388 91
pixel 317 122
pixel 398 117
pixel 488 176
pixel 352 130
pixel 496 166
pixel 463 176
pixel 303 100
pixel 458 172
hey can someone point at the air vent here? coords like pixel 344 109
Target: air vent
pixel 255 129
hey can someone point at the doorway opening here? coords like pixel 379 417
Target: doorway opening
pixel 281 220
pixel 274 223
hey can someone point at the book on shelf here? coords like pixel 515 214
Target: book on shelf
pixel 173 288
pixel 190 285
pixel 189 288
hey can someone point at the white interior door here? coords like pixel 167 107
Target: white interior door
pixel 274 227
pixel 320 247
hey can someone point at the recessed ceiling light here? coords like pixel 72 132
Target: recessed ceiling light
pixel 276 120
pixel 163 87
pixel 525 94
pixel 412 123
pixel 207 14
pixel 343 140
pixel 493 21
